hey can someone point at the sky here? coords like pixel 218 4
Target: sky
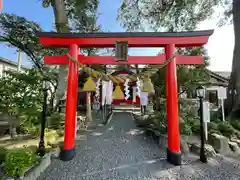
pixel 219 47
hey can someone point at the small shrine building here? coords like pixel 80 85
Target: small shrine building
pixel 133 99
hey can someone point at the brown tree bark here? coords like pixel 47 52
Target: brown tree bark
pixel 137 69
pixel 61 23
pixel 233 94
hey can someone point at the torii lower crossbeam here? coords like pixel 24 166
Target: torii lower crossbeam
pixel 160 59
pixel 169 41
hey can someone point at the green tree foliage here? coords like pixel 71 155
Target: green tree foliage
pixel 165 15
pixel 188 77
pixel 74 16
pixel 170 16
pixel 21 91
pixel 22 97
pixel 18 32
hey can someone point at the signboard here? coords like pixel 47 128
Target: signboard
pixel 96 106
pixel 206 112
pixel 150 108
pixel 144 98
pixel 222 93
pixel 121 50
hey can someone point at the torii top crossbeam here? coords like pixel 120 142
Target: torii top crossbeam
pixel 135 39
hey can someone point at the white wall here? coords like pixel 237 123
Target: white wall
pixel 1 70
pixel 212 88
pixel 5 67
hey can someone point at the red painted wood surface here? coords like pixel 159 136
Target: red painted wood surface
pixel 71 101
pixel 172 102
pixel 160 59
pixel 1 5
pixel 132 41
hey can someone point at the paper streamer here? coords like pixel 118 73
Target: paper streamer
pixel 97 94
pixel 138 88
pixel 126 89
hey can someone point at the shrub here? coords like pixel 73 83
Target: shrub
pixel 33 130
pixel 212 126
pixel 3 152
pixel 235 124
pixel 18 161
pixel 237 134
pixel 195 125
pixel 163 129
pixel 226 129
pixel 213 131
pixel 216 120
pixel 188 109
pixel 161 115
pixel 51 136
pixel 55 120
pixel 157 122
pixel 185 129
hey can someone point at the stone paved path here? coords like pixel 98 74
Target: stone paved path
pixel 119 151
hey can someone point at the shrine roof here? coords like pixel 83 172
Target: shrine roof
pixel 117 72
pixel 135 39
pixel 125 34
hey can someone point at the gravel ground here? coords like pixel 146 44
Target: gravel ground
pixel 120 151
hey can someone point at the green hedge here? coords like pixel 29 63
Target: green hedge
pixel 18 161
pixel 235 124
pixel 3 153
pixel 189 124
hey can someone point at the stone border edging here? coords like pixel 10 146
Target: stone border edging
pixel 34 172
pixel 186 145
pixel 161 139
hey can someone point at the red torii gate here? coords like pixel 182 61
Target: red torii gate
pixel 169 41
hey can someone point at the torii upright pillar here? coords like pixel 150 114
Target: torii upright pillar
pixel 68 151
pixel 173 150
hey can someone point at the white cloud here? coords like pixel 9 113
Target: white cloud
pixel 221 43
pixel 220 49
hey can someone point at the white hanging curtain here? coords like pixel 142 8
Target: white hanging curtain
pixel 109 91
pixel 104 92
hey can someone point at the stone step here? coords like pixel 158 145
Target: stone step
pixel 125 107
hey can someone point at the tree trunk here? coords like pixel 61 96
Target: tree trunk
pixel 12 128
pixel 89 109
pixel 61 23
pixel 13 131
pixel 233 96
pixel 137 69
